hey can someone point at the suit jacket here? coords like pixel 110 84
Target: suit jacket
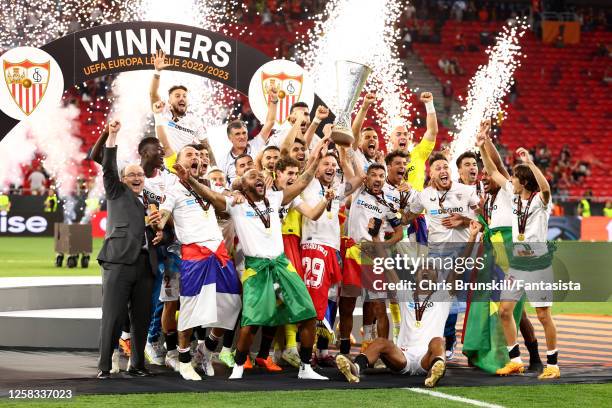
pixel 125 225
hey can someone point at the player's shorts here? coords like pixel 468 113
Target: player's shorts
pixel 171 282
pixel 413 361
pixel 537 298
pixel 291 243
pixel 321 271
pixel 374 296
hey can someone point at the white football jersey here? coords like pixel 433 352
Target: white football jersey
pixel 366 207
pixel 255 239
pixel 191 223
pixel 438 205
pixel 536 229
pixel 155 187
pixel 325 230
pixel 415 335
pixel 183 131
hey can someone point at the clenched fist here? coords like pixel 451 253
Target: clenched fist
pixel 158 107
pixel 426 97
pixel 322 113
pixel 114 126
pixel 369 99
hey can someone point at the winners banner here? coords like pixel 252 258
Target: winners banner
pixel 121 47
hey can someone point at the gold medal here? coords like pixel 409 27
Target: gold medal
pixel 268 230
pixel 417 324
pixel 398 215
pixel 329 215
pixel 146 220
pixel 521 237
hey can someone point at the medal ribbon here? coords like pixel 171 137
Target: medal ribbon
pixel 404 196
pixel 488 207
pixel 265 218
pixel 419 310
pixel 441 199
pixel 379 199
pixel 329 205
pixel 522 217
pixel 206 206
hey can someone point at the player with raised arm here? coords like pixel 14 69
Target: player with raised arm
pixel 497 218
pixel 209 287
pixel 273 292
pixel 366 139
pixel 531 260
pixel 182 126
pixel 321 238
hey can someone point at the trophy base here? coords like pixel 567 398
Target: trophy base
pixel 342 136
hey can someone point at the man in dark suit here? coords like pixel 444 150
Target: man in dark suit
pixel 128 260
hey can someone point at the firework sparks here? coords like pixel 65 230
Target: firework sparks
pixel 488 87
pixel 364 33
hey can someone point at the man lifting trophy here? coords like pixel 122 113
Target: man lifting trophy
pixel 350 79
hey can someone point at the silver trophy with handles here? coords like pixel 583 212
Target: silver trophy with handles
pixel 350 78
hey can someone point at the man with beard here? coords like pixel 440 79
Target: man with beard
pixel 369 210
pixel 497 220
pixel 161 131
pixel 293 144
pixel 287 173
pixel 321 238
pixel 366 139
pixel 209 287
pixel 273 293
pixel 420 347
pixel 182 127
pixel 440 200
pixel 531 259
pixel 305 131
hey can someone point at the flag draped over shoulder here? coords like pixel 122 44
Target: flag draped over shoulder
pixel 484 343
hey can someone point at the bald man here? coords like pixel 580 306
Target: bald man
pixel 127 258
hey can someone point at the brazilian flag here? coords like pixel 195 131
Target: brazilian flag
pixel 484 343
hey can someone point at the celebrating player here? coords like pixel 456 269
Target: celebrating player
pixel 210 292
pixel 531 260
pixel 273 293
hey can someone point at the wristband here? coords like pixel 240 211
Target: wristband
pixel 429 107
pixel 159 120
pixel 316 121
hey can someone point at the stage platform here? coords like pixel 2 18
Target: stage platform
pixel 75 370
pixel 53 311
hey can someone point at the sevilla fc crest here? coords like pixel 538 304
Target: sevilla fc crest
pixel 27 82
pixel 289 90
